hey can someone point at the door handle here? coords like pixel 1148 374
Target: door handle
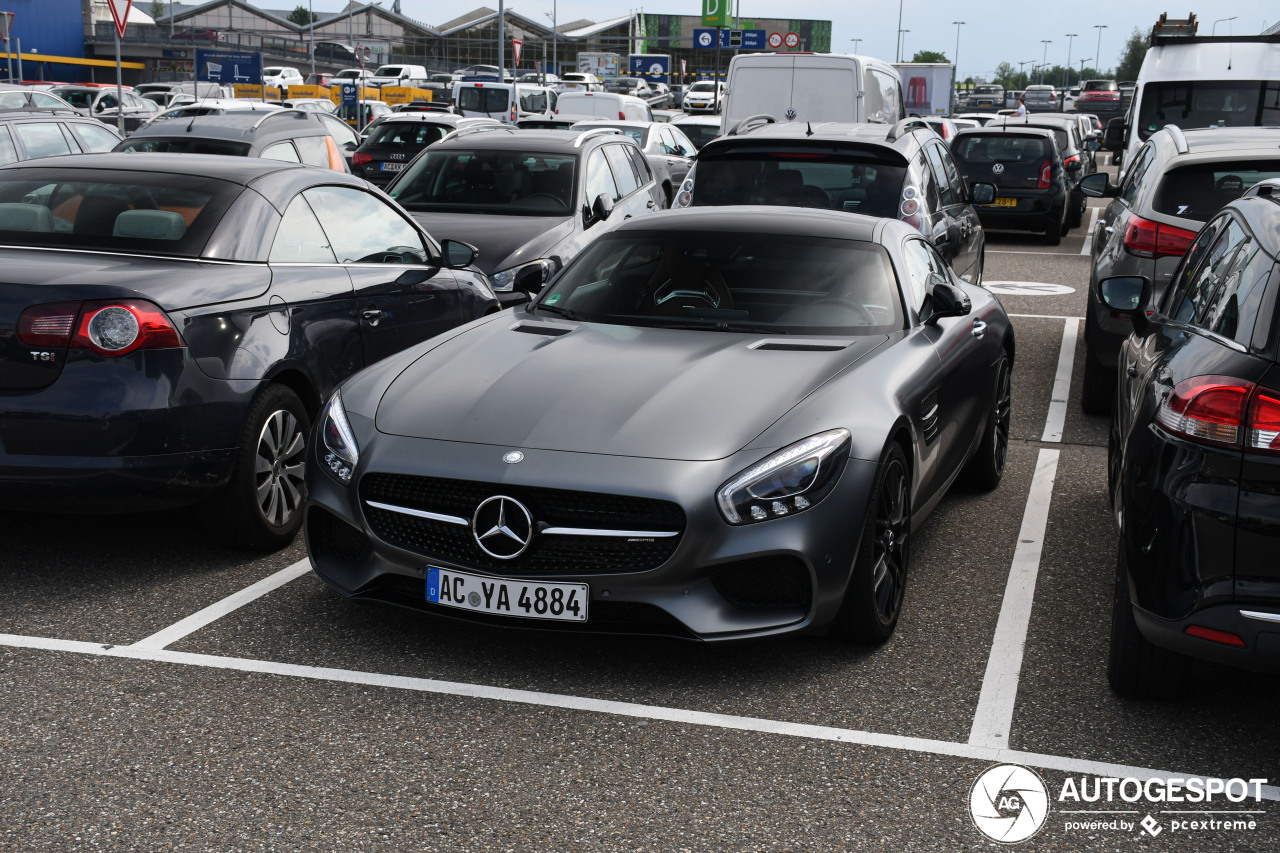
pixel 1109 230
pixel 979 328
pixel 372 316
pixel 1132 370
pixel 651 204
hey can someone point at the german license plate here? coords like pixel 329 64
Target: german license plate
pixel 393 167
pixel 1005 202
pixel 562 602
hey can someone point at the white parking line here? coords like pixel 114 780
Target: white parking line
pixel 1042 254
pixel 1046 317
pixel 1088 235
pixel 217 610
pixel 1061 383
pixel 634 710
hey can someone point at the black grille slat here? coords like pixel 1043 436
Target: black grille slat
pixel 454 543
pixel 801 347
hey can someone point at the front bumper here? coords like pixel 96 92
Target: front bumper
pixel 711 587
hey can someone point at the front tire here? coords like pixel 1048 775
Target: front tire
pixel 1135 667
pixel 1097 387
pixel 261 507
pixel 986 468
pixel 877 585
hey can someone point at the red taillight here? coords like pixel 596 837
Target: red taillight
pixel 114 328
pixel 48 325
pixel 1046 175
pixel 1208 409
pixel 360 158
pixel 1264 422
pixel 1215 635
pixel 1074 158
pixel 1149 239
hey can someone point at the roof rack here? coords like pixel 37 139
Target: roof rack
pixel 905 126
pixel 1167 26
pixel 275 113
pixel 751 121
pixel 1179 140
pixel 595 131
pixel 483 128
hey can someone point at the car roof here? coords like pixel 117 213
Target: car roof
pixel 434 117
pixel 1227 139
pixel 1014 130
pixel 240 170
pixel 775 220
pixel 880 135
pixel 506 138
pixel 237 124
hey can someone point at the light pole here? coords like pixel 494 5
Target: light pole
pixel 956 59
pixel 1080 81
pixel 1021 65
pixel 1066 74
pixel 311 35
pixel 898 45
pixel 1044 59
pixel 855 44
pixel 555 61
pixel 1097 51
pixel 902 43
pixel 1214 31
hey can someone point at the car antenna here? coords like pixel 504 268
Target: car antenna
pixel 808 128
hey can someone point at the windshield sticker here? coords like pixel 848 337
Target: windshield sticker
pixel 553 299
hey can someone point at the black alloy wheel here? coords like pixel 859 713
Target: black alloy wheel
pixel 873 600
pixel 986 468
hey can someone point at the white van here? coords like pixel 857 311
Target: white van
pixel 506 102
pixel 603 105
pixel 1197 81
pixel 811 87
pixel 396 75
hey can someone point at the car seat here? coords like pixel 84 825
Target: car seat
pixel 683 282
pixel 17 216
pixel 96 216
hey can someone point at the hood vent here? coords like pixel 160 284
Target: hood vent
pixel 799 346
pixel 541 329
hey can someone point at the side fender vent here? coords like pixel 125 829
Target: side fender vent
pixel 540 329
pixel 929 416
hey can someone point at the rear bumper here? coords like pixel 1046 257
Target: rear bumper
pixel 1257 626
pixel 1031 214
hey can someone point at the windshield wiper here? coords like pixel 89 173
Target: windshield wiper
pixel 719 326
pixel 567 313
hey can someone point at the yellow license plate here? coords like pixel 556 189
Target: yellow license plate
pixel 1005 202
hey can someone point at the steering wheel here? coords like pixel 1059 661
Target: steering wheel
pixel 836 306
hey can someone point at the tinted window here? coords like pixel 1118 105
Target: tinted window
pixel 1129 190
pixel 300 239
pixel 1209 103
pixel 600 178
pixel 42 139
pixel 96 139
pixel 281 151
pixel 982 148
pixel 483 100
pixel 1198 192
pixel 851 183
pixel 511 182
pixel 640 164
pixel 1207 281
pixel 1234 309
pixel 623 172
pixel 362 228
pixel 533 102
pixel 184 146
pixel 313 150
pixel 405 134
pixel 700 134
pixel 924 269
pixel 7 153
pixel 684 147
pixel 945 193
pixel 78 98
pixel 1101 86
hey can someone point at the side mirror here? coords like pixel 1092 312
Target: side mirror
pixel 601 208
pixel 1098 185
pixel 1128 294
pixel 1094 144
pixel 1114 139
pixel 983 193
pixel 458 254
pixel 1074 166
pixel 530 279
pixel 948 301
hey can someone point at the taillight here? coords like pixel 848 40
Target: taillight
pixel 910 207
pixel 114 328
pixel 48 325
pixel 1046 175
pixel 360 158
pixel 1148 239
pixel 1215 635
pixel 621 115
pixel 1207 409
pixel 1074 158
pixel 1264 422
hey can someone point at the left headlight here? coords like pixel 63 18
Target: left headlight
pixel 790 481
pixel 506 279
pixel 341 452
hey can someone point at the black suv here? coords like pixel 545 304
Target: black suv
pixel 293 136
pixel 902 172
pixel 529 200
pixel 1026 166
pixel 393 141
pixel 30 134
pixel 1194 457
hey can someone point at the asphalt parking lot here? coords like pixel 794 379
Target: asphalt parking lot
pixel 162 694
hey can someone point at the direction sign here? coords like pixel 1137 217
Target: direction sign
pixel 792 40
pixel 716 13
pixel 731 39
pixel 775 40
pixel 120 13
pixel 220 66
pixel 350 94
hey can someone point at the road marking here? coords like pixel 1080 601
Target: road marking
pixel 217 610
pixel 1088 235
pixel 1061 383
pixel 970 751
pixel 1046 317
pixel 994 717
pixel 1027 288
pixel 1017 252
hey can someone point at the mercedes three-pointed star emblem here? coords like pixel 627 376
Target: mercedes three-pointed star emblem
pixel 502 527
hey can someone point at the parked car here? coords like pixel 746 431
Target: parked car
pixel 282 77
pixel 504 102
pixel 575 82
pixel 31 134
pixel 16 97
pixel 352 75
pixel 212 106
pixel 901 172
pixel 529 200
pixel 1070 98
pixel 294 136
pixel 583 105
pixel 320 78
pixel 668 150
pixel 315 105
pixel 188 367
pixel 539 78
pixel 944 127
pixel 808 87
pixel 336 53
pixel 1072 148
pixel 101 103
pixel 1100 97
pixel 397 75
pixel 1032 193
pixel 702 97
pixel 755 441
pixel 197 34
pixel 391 145
pixel 987 97
pixel 1180 179
pixel 980 118
pixel 1192 457
pixel 699 129
pixel 1041 99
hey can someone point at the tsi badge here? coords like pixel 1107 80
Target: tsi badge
pixel 1009 803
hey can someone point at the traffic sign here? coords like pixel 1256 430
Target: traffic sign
pixel 6 25
pixel 792 41
pixel 730 39
pixel 218 66
pixel 775 40
pixel 120 13
pixel 350 94
pixel 716 13
pixel 516 46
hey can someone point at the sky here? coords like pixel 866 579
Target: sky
pixel 993 32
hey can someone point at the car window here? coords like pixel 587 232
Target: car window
pixel 1129 189
pixel 363 228
pixel 300 239
pixel 944 190
pixel 8 154
pixel 340 130
pixel 97 138
pixel 1205 283
pixel 42 139
pixel 313 150
pixel 888 108
pixel 1234 310
pixel 683 145
pixel 623 172
pixel 1190 264
pixel 281 151
pixel 40 99
pixel 106 102
pixel 483 100
pixel 853 183
pixel 1199 191
pixel 920 176
pixel 641 165
pixel 924 269
pixel 401 134
pixel 599 178
pixel 533 102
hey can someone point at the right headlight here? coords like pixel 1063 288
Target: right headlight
pixel 790 481
pixel 340 451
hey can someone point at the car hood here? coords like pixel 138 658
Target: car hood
pixel 605 389
pixel 503 241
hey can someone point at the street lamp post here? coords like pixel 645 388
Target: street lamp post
pixel 1066 74
pixel 1082 62
pixel 1214 31
pixel 855 44
pixel 1021 65
pixel 956 59
pixel 1097 51
pixel 1044 59
pixel 898 46
pixel 902 43
pixel 311 35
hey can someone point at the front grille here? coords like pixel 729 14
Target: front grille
pixel 328 535
pixel 765 582
pixel 555 554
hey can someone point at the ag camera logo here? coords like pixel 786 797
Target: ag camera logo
pixel 1009 803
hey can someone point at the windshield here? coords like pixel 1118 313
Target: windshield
pixel 699 134
pixel 1209 103
pixel 388 71
pixel 987 90
pixel 405 135
pixel 731 282
pixel 527 183
pixel 856 184
pixel 702 86
pixel 1010 149
pixel 78 98
pixel 1199 191
pixel 1101 86
pixel 482 100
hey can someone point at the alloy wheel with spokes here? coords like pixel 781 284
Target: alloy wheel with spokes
pixel 279 468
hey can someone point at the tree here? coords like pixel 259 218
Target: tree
pixel 303 17
pixel 1135 50
pixel 157 9
pixel 929 56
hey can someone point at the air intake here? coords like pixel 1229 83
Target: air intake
pixel 799 346
pixel 540 329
